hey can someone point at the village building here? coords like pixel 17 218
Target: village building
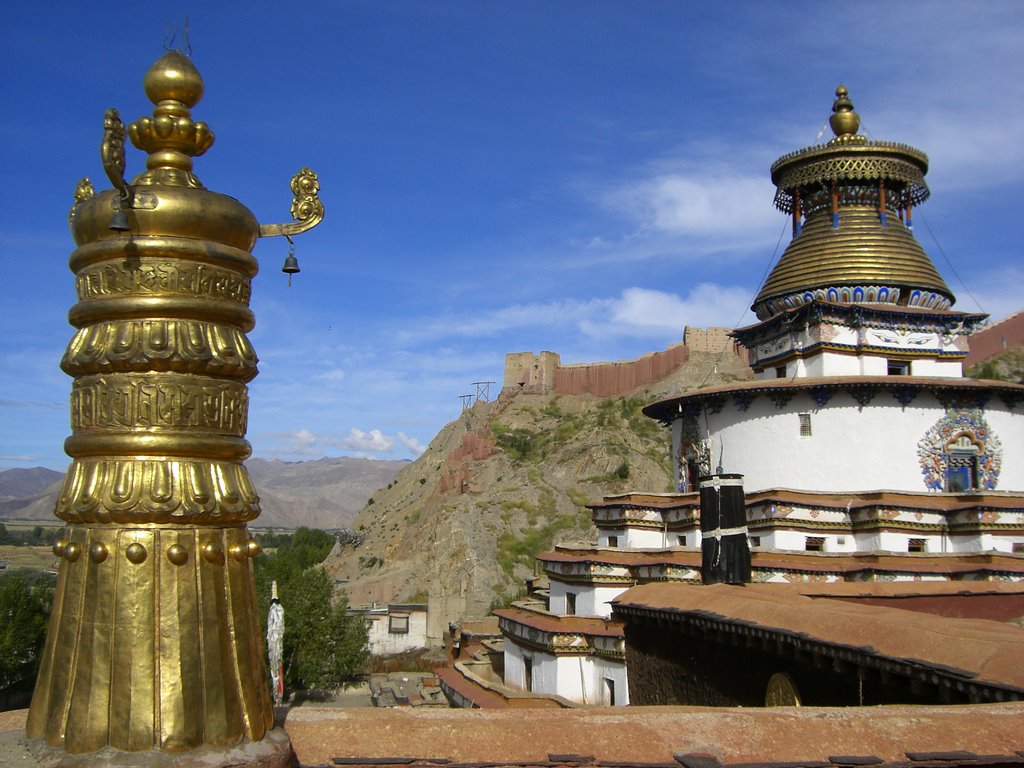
pixel 866 455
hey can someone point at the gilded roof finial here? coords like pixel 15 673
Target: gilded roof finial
pixel 844 121
pixel 170 136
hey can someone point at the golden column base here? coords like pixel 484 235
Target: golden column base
pixel 273 751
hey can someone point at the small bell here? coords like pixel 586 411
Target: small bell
pixel 119 221
pixel 291 264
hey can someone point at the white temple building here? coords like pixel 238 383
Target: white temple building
pixel 866 454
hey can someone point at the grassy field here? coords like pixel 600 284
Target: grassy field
pixel 36 558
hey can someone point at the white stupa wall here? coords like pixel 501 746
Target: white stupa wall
pixel 591 600
pixel 582 679
pixel 850 448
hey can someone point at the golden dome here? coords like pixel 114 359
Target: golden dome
pixel 886 263
pixel 849 199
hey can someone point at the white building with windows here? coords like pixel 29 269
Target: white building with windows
pixel 859 409
pixel 866 454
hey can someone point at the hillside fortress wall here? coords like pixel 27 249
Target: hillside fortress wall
pixel 543 374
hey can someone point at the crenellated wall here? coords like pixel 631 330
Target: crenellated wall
pixel 544 373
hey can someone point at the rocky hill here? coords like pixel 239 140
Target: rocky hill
pixel 459 527
pixel 326 493
pixel 1006 366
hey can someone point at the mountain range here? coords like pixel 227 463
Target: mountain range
pixel 326 493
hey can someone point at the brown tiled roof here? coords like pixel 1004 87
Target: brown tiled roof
pixel 828 562
pixel 648 501
pixel 647 737
pixel 985 651
pixel 556 624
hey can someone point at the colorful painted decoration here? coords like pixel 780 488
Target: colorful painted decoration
pixel 960 452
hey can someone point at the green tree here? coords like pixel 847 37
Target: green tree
pixel 323 644
pixel 24 614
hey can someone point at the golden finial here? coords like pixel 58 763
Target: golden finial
pixel 170 136
pixel 844 121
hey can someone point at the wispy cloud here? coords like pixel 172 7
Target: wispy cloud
pixel 414 445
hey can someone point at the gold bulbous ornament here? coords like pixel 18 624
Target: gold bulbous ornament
pixel 177 554
pixel 98 552
pixel 136 553
pixel 213 553
pixel 173 77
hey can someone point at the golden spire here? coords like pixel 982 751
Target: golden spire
pixel 844 121
pixel 851 201
pixel 170 136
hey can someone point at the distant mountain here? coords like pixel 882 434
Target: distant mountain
pixel 326 493
pixel 21 483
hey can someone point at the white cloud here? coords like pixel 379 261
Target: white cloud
pixel 373 441
pixel 301 442
pixel 701 203
pixel 414 445
pixel 639 310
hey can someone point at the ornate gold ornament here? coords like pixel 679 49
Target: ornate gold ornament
pixel 154 643
pixel 851 201
pixel 781 691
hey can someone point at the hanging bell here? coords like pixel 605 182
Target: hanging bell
pixel 119 221
pixel 291 264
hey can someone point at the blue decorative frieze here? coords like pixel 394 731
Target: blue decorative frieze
pixel 780 397
pixel 848 294
pixel 904 394
pixel 928 300
pixel 863 395
pixel 744 399
pixel 820 395
pixel 1011 399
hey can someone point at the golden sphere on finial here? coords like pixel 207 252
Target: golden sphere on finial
pixel 173 77
pixel 844 121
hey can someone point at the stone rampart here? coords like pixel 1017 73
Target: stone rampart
pixel 996 339
pixel 544 374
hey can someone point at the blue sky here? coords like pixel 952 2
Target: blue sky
pixel 581 177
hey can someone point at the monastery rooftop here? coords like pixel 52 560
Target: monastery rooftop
pixel 642 737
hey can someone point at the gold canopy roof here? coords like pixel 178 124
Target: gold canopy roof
pixel 850 199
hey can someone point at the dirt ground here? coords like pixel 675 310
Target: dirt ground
pixel 37 558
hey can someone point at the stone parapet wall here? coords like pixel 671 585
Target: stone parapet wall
pixel 996 339
pixel 544 373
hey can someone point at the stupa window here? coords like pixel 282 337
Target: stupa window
pixel 814 544
pixel 899 368
pixel 570 603
pixel 917 545
pixel 962 463
pixel 805 424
